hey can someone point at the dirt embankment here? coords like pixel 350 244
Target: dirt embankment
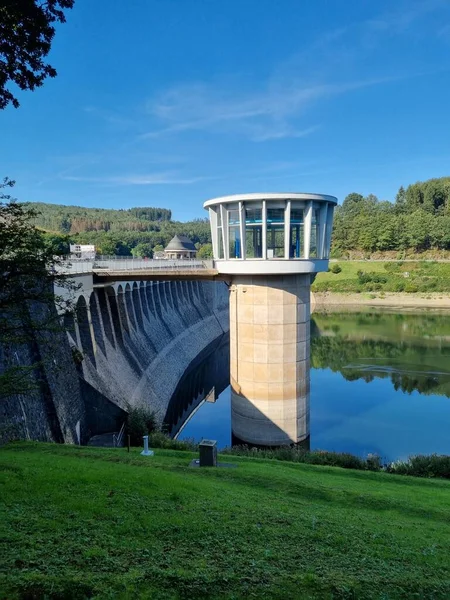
pixel 324 300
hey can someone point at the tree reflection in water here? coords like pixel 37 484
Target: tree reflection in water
pixel 413 350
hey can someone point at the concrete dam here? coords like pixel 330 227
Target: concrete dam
pixel 138 338
pixel 137 332
pixel 130 344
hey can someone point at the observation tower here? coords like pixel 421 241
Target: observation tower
pixel 270 245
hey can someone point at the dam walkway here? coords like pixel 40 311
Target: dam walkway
pixel 111 270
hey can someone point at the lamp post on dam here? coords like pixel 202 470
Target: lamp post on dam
pixel 270 245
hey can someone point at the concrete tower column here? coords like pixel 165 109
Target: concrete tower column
pixel 268 246
pixel 269 354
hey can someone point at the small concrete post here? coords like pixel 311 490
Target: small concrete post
pixel 208 453
pixel 146 451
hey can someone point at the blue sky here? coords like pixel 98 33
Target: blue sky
pixel 171 102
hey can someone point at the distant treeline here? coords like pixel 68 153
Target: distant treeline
pixel 419 219
pixel 135 231
pixel 77 219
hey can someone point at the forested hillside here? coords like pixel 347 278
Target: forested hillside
pixel 77 219
pixel 418 220
pixel 137 231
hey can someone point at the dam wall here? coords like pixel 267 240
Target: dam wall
pixel 129 344
pixel 138 338
pixel 45 403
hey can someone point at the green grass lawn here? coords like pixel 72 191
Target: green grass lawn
pixel 94 523
pixel 421 276
pixel 350 269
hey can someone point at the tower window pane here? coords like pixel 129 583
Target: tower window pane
pixel 253 241
pixel 314 234
pixel 296 240
pixel 296 215
pixel 233 217
pixel 275 215
pixel 253 232
pixel 253 215
pixel 234 242
pixel 275 240
pixel 220 242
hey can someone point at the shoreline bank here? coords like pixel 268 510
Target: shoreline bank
pixel 321 301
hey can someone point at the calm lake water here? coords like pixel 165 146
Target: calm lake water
pixel 380 383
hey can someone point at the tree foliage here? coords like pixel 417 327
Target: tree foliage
pixel 419 219
pixel 135 231
pixel 205 251
pixel 26 35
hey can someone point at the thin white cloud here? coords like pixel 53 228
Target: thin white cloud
pixel 280 132
pixel 404 16
pixel 151 179
pixel 259 116
pixel 270 114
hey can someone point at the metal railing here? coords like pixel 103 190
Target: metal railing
pixel 132 264
pixel 117 439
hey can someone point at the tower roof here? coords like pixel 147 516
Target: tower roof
pixel 180 243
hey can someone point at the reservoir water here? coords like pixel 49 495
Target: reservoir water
pixel 380 383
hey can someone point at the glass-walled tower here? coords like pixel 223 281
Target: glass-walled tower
pixel 270 245
pixel 271 227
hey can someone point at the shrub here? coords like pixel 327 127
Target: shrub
pixel 314 457
pixel 161 440
pixel 374 462
pixel 364 277
pixel 336 269
pixel 422 466
pixel 140 421
pixel 336 253
pixel 411 288
pixel 399 286
pixel 377 278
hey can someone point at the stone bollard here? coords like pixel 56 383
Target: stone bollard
pixel 146 451
pixel 208 453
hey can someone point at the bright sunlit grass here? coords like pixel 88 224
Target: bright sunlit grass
pixel 94 523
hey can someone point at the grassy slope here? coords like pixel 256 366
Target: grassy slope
pixel 350 269
pixel 420 274
pixel 101 523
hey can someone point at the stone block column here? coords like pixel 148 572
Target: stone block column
pixel 269 354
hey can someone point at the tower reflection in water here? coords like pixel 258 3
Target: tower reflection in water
pixel 254 424
pixel 263 425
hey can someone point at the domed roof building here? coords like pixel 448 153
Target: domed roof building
pixel 180 247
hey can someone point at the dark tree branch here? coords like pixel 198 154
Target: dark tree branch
pixel 26 35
